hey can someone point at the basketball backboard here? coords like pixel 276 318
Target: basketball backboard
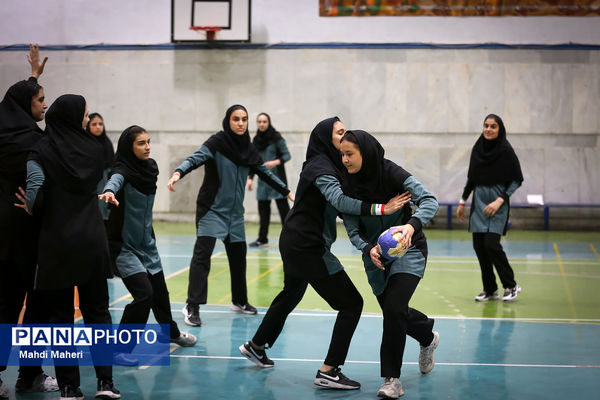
pixel 232 16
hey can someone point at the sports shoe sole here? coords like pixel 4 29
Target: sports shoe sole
pixel 512 298
pixel 242 311
pixel 250 356
pixel 107 394
pixel 381 393
pixel 323 382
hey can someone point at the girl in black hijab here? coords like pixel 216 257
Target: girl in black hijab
pixel 494 175
pixel 371 177
pixel 272 148
pixel 96 127
pixel 305 243
pixel 229 158
pixel 21 108
pixel 62 174
pixel 131 189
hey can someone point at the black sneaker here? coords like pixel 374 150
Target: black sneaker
pixel 107 390
pixel 41 383
pixel 259 243
pixel 191 314
pixel 334 379
pixel 245 309
pixel 70 393
pixel 258 357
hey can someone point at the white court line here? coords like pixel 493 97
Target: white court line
pixel 355 261
pixel 404 363
pixel 534 273
pixel 379 316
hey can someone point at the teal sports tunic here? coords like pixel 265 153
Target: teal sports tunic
pixel 364 231
pixel 224 179
pixel 138 252
pixel 277 150
pixel 484 195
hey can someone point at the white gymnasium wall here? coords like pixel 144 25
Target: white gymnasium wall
pixel 425 105
pixel 84 22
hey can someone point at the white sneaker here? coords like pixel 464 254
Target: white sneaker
pixel 4 391
pixel 391 388
pixel 511 294
pixel 185 340
pixel 483 296
pixel 41 383
pixel 426 357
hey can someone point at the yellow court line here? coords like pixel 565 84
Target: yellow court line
pixel 267 248
pixel 250 282
pixel 179 272
pixel 594 250
pixel 564 278
pixel 213 276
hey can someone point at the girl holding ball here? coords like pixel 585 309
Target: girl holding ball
pixel 372 178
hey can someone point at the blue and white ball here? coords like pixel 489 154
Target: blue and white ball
pixel 390 246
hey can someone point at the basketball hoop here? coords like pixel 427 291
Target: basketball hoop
pixel 210 31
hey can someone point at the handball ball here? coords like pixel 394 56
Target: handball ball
pixel 389 245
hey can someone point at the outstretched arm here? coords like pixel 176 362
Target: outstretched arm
pixel 200 156
pixel 330 187
pixel 114 184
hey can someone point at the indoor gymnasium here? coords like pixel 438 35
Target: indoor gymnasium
pixel 470 129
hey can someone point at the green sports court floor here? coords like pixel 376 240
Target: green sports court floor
pixel 544 345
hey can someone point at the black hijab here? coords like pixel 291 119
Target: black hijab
pixel 109 150
pixel 494 161
pixel 71 157
pixel 263 139
pixel 379 178
pixel 321 153
pixel 237 148
pixel 322 158
pixel 19 132
pixel 141 174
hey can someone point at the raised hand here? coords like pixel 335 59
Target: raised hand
pixel 37 67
